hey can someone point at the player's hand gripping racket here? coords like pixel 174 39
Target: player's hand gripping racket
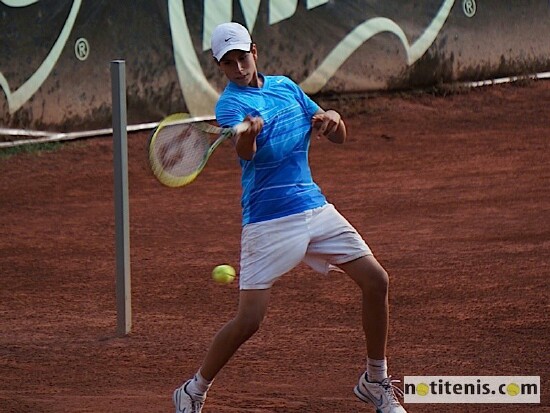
pixel 180 147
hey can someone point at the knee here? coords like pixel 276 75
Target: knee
pixel 383 280
pixel 376 282
pixel 247 326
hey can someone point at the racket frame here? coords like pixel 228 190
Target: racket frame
pixel 200 123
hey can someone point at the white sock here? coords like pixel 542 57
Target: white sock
pixel 198 386
pixel 377 370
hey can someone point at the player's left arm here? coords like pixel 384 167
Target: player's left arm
pixel 330 125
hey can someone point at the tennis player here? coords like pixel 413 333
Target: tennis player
pixel 286 219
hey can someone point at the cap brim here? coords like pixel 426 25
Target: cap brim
pixel 245 47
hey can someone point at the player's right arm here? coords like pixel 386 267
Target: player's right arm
pixel 246 141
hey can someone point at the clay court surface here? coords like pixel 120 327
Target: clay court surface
pixel 451 193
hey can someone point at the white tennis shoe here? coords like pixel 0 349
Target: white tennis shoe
pixel 184 402
pixel 383 395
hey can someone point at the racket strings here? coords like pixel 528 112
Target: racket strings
pixel 180 150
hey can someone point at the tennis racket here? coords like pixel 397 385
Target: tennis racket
pixel 181 146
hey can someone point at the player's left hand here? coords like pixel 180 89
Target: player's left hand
pixel 325 123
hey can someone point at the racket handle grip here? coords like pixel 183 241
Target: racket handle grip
pixel 241 127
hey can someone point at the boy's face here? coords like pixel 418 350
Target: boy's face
pixel 240 67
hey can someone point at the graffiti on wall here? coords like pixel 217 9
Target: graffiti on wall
pixel 191 77
pixel 23 93
pixel 193 81
pixel 56 52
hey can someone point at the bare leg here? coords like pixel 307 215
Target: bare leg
pixel 373 281
pixel 250 313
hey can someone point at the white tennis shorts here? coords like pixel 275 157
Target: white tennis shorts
pixel 321 237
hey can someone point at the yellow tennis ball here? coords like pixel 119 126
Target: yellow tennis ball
pixel 512 389
pixel 223 274
pixel 422 389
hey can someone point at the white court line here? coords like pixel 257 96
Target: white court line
pixel 43 136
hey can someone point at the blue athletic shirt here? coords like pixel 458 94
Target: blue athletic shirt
pixel 277 182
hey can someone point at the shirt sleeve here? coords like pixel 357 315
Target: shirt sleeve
pixel 309 106
pixel 228 114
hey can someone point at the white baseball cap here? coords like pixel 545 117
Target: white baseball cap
pixel 229 36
